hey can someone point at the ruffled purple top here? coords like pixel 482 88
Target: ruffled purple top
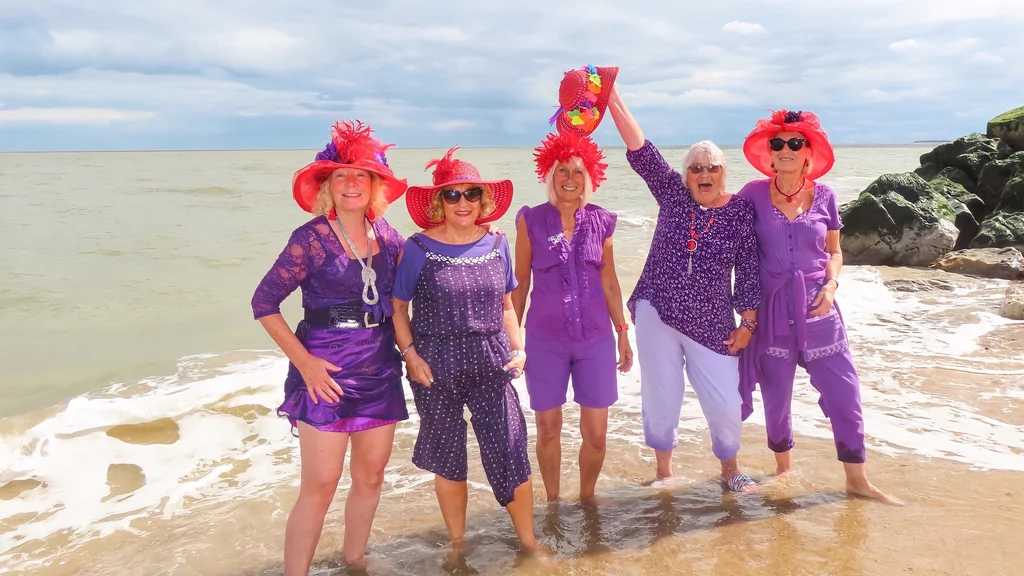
pixel 567 300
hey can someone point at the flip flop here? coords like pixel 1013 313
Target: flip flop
pixel 739 482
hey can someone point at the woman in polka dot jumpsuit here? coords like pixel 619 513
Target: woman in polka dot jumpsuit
pixel 463 347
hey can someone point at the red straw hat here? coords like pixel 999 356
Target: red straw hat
pixel 583 98
pixel 756 149
pixel 450 171
pixel 564 146
pixel 351 146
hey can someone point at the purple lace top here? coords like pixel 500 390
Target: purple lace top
pixel 315 262
pixel 567 301
pixel 696 296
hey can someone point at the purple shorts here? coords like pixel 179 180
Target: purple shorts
pixel 592 363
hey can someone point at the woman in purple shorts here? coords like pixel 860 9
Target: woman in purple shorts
pixel 344 378
pixel 797 224
pixel 462 346
pixel 566 245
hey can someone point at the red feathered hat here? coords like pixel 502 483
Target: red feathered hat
pixel 449 171
pixel 583 98
pixel 351 146
pixel 566 145
pixel 756 149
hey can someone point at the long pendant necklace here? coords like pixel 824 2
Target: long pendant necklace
pixel 691 244
pixel 789 197
pixel 369 292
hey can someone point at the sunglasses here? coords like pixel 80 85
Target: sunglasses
pixel 698 168
pixel 794 144
pixel 452 196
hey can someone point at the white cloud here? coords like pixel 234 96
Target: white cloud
pixel 745 28
pixel 452 125
pixel 256 49
pixel 986 58
pixel 877 95
pixel 70 115
pixel 691 97
pixel 903 45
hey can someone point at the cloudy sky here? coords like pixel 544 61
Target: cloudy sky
pixel 191 74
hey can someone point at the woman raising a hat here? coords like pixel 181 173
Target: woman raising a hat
pixel 565 245
pixel 683 303
pixel 797 224
pixel 462 346
pixel 344 376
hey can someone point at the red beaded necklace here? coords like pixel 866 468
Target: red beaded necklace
pixel 789 197
pixel 691 244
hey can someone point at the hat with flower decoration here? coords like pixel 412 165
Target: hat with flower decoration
pixel 756 149
pixel 583 98
pixel 450 171
pixel 351 146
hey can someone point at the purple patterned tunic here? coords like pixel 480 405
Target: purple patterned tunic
pixel 315 262
pixel 695 297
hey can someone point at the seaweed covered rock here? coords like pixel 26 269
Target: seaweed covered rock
pixel 1001 229
pixel 1009 128
pixel 899 219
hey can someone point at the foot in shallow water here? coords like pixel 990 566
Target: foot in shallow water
pixel 867 490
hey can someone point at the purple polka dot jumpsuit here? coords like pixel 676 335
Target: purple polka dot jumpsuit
pixel 458 330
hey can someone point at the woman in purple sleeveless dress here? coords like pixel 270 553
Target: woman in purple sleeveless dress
pixel 565 244
pixel 797 224
pixel 462 347
pixel 344 375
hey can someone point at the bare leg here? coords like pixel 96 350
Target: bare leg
pixel 453 498
pixel 322 457
pixel 783 463
pixel 857 484
pixel 664 463
pixel 731 469
pixel 520 509
pixel 594 428
pixel 371 450
pixel 549 450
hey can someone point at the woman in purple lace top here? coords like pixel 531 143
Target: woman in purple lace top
pixel 797 224
pixel 462 347
pixel 683 303
pixel 565 245
pixel 344 375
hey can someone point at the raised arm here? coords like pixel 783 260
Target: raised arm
pixel 523 267
pixel 627 126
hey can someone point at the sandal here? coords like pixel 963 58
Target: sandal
pixel 739 482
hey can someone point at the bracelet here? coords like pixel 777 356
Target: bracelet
pixel 622 327
pixel 406 349
pixel 514 353
pixel 833 280
pixel 748 324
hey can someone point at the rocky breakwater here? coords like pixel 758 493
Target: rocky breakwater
pixel 968 193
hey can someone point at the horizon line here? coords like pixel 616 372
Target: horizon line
pixel 81 151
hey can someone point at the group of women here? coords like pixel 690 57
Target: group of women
pixel 462 345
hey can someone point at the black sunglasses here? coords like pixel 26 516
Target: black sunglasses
pixel 452 196
pixel 794 144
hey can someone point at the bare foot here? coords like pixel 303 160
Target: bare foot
pixel 593 501
pixel 868 490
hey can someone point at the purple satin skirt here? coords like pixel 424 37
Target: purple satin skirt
pixel 370 379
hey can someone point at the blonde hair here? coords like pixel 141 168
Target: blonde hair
pixel 712 151
pixel 435 211
pixel 588 184
pixel 378 199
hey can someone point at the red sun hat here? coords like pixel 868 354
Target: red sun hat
pixel 449 171
pixel 583 98
pixel 564 146
pixel 756 149
pixel 351 146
